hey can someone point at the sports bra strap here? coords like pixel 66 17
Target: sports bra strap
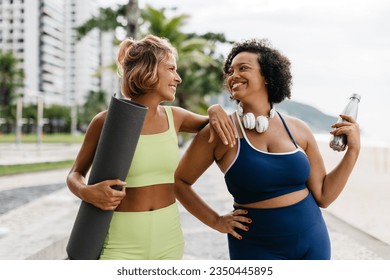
pixel 234 123
pixel 288 131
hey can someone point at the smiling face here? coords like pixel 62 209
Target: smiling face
pixel 168 79
pixel 244 77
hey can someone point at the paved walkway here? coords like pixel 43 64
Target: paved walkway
pixel 39 229
pixel 32 152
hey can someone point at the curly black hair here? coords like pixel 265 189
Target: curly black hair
pixel 274 66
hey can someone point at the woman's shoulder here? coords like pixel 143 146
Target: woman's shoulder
pixel 175 109
pixel 295 122
pixel 101 115
pixel 300 130
pixel 97 121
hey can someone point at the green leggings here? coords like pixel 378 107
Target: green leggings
pixel 151 235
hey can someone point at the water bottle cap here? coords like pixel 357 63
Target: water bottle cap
pixel 355 95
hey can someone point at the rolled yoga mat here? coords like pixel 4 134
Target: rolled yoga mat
pixel 112 160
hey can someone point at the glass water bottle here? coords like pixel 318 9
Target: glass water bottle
pixel 339 142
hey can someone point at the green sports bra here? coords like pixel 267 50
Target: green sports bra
pixel 155 158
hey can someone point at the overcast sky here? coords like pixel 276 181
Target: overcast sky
pixel 337 47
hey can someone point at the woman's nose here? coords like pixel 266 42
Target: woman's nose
pixel 178 79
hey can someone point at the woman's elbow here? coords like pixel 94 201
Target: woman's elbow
pixel 179 186
pixel 323 205
pixel 323 202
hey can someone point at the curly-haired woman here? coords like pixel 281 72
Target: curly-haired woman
pixel 275 173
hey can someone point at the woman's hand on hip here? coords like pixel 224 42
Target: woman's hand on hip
pixel 235 219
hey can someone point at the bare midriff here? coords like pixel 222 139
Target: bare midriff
pixel 147 198
pixel 280 201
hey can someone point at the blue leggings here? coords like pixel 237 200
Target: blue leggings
pixel 296 232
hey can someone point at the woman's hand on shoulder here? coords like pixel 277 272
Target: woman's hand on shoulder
pixel 103 196
pixel 221 124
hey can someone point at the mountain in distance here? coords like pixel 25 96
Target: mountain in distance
pixel 318 121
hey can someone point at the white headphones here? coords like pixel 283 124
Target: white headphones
pixel 250 121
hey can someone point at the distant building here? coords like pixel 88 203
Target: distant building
pixel 40 33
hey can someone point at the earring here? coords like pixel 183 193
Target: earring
pixel 250 122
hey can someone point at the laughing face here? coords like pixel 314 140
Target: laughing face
pixel 168 79
pixel 244 76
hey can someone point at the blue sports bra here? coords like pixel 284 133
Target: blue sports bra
pixel 256 175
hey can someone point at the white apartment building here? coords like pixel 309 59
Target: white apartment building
pixel 57 66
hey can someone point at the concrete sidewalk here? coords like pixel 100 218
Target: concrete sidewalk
pixel 22 153
pixel 39 229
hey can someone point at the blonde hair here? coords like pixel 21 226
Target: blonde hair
pixel 138 61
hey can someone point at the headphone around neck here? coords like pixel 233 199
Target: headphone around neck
pixel 250 122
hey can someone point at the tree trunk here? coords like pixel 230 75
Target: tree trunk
pixel 133 14
pixel 5 95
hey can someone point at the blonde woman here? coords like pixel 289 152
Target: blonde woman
pixel 145 223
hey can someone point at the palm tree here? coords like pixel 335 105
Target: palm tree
pixel 198 64
pixel 11 80
pixel 124 16
pixel 132 16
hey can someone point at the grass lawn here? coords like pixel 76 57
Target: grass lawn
pixel 33 167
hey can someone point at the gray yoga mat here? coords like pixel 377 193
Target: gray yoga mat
pixel 114 153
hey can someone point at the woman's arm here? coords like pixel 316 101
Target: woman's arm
pixel 220 122
pixel 198 157
pixel 326 187
pixel 101 194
